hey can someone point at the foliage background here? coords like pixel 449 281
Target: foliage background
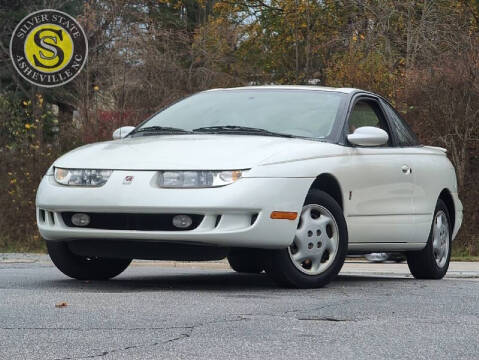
pixel 144 54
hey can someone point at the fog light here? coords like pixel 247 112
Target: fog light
pixel 182 221
pixel 80 219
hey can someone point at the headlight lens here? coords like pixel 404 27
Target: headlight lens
pixel 82 177
pixel 198 179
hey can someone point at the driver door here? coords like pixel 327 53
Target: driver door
pixel 379 183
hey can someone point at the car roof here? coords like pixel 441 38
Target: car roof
pixel 294 87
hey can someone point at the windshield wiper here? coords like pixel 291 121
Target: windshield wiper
pixel 235 129
pixel 152 130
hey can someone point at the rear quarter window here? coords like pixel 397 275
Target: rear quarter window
pixel 404 135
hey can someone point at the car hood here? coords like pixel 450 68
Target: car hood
pixel 190 152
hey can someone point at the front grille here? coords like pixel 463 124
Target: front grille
pixel 125 221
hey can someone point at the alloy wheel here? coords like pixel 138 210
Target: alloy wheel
pixel 440 239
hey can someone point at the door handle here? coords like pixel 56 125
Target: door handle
pixel 406 169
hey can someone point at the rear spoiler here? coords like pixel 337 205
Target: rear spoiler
pixel 444 150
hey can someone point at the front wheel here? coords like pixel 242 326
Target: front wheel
pixel 319 248
pixel 432 262
pixel 84 268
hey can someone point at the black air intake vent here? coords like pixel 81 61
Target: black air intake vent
pixel 125 221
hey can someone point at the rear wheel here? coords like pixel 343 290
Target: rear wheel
pixel 246 260
pixel 84 268
pixel 319 247
pixel 432 262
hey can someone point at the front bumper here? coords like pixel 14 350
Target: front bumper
pixel 234 205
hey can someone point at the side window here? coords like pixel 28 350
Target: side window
pixel 367 113
pixel 402 131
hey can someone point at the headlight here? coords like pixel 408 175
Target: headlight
pixel 198 179
pixel 82 177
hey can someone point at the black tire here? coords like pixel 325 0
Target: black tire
pixel 246 260
pixel 422 264
pixel 83 268
pixel 280 266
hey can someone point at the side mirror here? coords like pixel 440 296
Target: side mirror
pixel 368 136
pixel 122 132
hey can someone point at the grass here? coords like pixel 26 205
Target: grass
pixel 22 249
pixel 464 258
pixel 462 253
pixel 9 246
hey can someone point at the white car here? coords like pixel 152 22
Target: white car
pixel 286 179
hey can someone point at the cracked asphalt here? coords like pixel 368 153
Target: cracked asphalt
pixel 178 311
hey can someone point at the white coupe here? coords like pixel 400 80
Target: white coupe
pixel 282 179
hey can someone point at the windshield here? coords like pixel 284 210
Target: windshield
pixel 304 113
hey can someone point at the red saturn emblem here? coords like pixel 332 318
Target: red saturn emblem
pixel 128 180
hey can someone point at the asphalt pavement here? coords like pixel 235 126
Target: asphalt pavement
pixel 168 310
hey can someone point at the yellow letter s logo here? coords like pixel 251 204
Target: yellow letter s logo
pixel 48 48
pixel 56 51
